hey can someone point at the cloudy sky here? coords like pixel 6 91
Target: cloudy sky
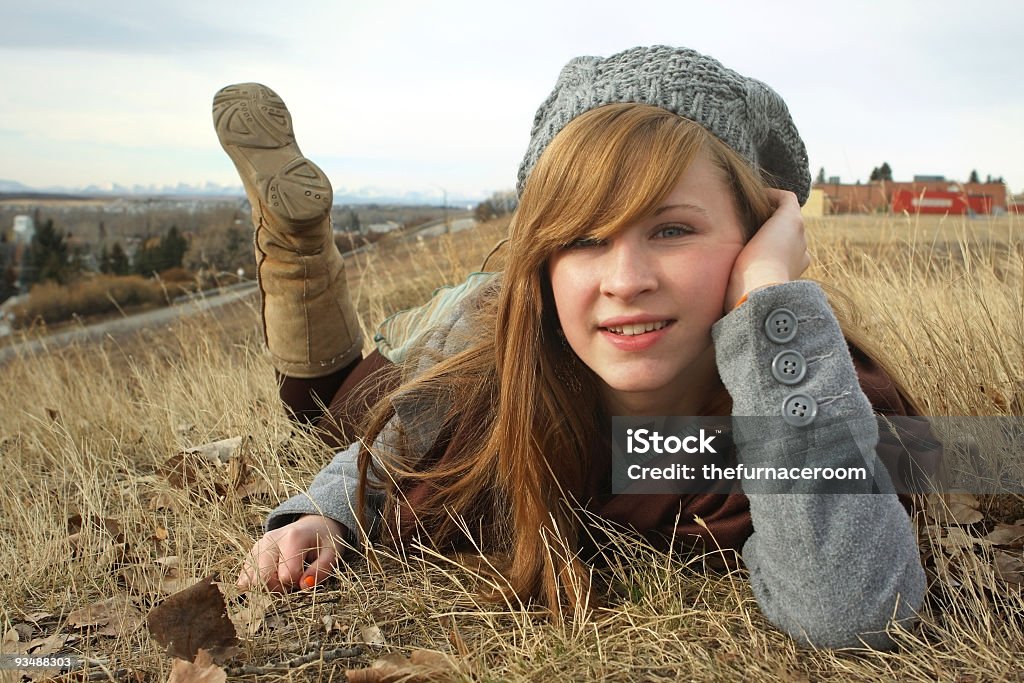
pixel 431 95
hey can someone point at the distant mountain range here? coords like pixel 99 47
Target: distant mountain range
pixel 342 195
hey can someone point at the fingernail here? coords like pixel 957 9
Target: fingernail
pixel 308 582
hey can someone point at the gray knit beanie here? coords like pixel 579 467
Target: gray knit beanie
pixel 742 112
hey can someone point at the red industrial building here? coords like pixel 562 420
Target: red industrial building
pixel 936 202
pixel 935 196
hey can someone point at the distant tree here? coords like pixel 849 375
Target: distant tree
pixel 884 172
pixel 8 279
pixel 484 211
pixel 353 221
pixel 974 177
pixel 498 204
pixel 47 257
pixel 167 253
pixel 114 261
pixel 173 246
pixel 821 176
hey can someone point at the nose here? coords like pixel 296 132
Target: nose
pixel 627 272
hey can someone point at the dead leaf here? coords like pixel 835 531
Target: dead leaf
pixel 962 498
pixel 1007 535
pixel 371 635
pixel 10 637
pixel 111 617
pixel 52 643
pixel 189 472
pixel 961 514
pixel 954 508
pixel 168 561
pixel 249 619
pixel 422 666
pixel 160 534
pixel 161 501
pixel 332 623
pixel 193 619
pixel 220 452
pixel 36 617
pixel 958 540
pixel 77 523
pixel 1010 567
pixel 162 576
pixel 24 631
pixel 203 670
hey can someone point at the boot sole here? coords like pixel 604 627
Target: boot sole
pixel 255 129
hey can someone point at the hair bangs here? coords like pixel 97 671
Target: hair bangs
pixel 606 169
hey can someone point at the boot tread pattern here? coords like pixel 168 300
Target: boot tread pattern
pixel 255 129
pixel 252 115
pixel 299 190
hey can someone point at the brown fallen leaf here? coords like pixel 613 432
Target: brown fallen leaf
pixel 161 576
pixel 371 635
pixel 52 643
pixel 203 670
pixel 24 631
pixel 422 666
pixel 332 623
pixel 957 540
pixel 111 617
pixel 11 636
pixel 1010 567
pixel 191 472
pixel 193 619
pixel 1007 536
pixel 161 501
pixel 249 619
pixel 76 523
pixel 218 452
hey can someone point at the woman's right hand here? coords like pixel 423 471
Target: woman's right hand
pixel 302 553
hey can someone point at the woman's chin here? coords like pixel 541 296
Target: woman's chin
pixel 635 387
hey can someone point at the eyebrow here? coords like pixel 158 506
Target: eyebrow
pixel 692 207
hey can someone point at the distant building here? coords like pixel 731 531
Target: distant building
pixel 816 204
pixel 918 196
pixel 1016 204
pixel 24 230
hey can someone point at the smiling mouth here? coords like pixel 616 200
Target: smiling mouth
pixel 638 329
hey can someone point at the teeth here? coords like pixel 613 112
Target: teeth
pixel 640 328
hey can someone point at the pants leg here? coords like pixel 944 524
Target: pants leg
pixel 348 395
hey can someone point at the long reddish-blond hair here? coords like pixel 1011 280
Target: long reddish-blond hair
pixel 515 433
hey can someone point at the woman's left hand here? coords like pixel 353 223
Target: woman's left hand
pixel 776 253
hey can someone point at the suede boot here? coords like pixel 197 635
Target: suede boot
pixel 309 323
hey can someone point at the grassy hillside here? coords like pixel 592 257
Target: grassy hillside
pixel 101 517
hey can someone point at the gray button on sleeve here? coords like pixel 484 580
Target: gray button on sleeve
pixel 799 409
pixel 789 367
pixel 780 325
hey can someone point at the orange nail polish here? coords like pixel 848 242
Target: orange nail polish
pixel 308 582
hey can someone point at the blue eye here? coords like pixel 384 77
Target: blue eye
pixel 674 231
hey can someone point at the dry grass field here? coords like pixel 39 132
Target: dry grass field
pixel 101 517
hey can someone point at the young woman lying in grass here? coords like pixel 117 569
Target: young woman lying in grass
pixel 652 269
